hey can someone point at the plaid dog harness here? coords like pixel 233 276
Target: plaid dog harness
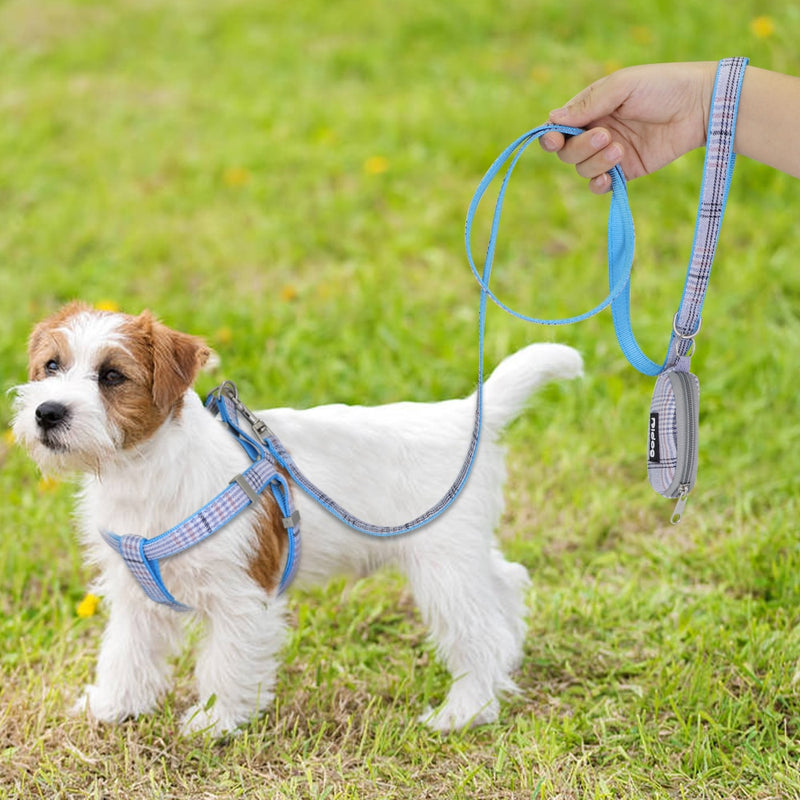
pixel 142 556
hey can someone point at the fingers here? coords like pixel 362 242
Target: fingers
pixel 593 153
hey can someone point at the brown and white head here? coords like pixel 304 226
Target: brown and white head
pixel 100 383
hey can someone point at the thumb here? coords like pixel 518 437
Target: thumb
pixel 593 103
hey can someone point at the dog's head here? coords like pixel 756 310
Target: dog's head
pixel 99 383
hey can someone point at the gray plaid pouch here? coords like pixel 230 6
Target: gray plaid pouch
pixel 672 435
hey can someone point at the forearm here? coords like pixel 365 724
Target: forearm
pixel 768 125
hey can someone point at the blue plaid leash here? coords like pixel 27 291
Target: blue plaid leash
pixel 620 263
pixel 717 174
pixel 620 251
pixel 142 556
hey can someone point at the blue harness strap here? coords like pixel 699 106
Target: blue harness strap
pixel 142 556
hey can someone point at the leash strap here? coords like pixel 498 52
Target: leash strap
pixel 621 237
pixel 142 556
pixel 620 256
pixel 717 173
pixel 672 450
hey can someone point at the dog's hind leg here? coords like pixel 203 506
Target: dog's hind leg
pixel 465 599
pixel 511 582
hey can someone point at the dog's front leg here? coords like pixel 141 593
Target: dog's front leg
pixel 132 670
pixel 237 663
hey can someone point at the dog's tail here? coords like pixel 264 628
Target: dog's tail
pixel 507 389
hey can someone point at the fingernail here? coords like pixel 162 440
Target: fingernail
pixel 558 113
pixel 614 153
pixel 548 144
pixel 600 139
pixel 600 184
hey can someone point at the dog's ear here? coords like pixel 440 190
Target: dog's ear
pixel 177 358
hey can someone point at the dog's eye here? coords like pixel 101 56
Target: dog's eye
pixel 51 367
pixel 111 377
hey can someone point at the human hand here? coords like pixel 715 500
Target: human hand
pixel 641 118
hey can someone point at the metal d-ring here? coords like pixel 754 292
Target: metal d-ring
pixel 687 337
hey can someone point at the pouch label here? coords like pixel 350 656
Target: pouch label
pixel 654 445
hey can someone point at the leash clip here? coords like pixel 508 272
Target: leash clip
pixel 229 391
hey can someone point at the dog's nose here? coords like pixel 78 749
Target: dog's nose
pixel 51 414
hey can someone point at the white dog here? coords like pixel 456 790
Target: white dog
pixel 109 396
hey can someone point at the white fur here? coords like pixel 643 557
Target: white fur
pixel 386 464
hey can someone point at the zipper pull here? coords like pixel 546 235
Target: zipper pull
pixel 683 499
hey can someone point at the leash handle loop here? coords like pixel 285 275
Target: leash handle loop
pixel 620 227
pixel 717 173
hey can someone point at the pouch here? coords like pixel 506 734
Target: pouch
pixel 672 436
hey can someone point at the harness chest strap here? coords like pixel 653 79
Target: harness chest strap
pixel 142 556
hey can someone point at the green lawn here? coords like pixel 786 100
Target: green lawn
pixel 290 180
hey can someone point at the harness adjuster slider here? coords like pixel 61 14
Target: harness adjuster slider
pixel 245 486
pixel 292 521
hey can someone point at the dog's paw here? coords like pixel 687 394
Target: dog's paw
pixel 207 720
pixel 105 706
pixel 454 715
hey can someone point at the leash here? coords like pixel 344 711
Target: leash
pixel 142 556
pixel 674 415
pixel 672 434
pixel 717 173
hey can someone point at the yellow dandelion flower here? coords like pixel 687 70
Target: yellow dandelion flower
pixel 375 165
pixel 612 65
pixel 762 27
pixel 47 484
pixel 223 335
pixel 236 176
pixel 288 293
pixel 107 305
pixel 642 34
pixel 541 74
pixel 88 606
pixel 8 437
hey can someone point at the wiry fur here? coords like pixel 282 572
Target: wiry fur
pixel 150 455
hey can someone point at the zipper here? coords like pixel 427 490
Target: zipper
pixel 688 432
pixel 683 499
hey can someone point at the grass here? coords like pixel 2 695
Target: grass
pixel 290 180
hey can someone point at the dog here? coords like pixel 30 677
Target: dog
pixel 109 397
